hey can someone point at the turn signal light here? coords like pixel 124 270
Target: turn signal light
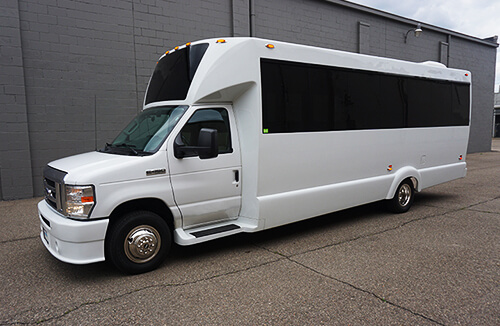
pixel 389 168
pixel 89 199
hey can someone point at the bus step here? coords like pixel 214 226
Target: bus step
pixel 216 230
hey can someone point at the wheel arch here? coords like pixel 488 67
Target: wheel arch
pixel 154 205
pixel 402 174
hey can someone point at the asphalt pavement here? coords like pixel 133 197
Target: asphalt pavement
pixel 438 264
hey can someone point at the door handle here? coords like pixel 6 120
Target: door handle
pixel 236 176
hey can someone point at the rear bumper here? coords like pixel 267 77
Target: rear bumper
pixel 75 242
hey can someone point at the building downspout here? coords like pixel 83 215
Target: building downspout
pixel 252 17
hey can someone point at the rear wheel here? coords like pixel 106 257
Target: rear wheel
pixel 403 198
pixel 138 242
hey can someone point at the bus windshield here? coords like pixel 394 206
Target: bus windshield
pixel 146 132
pixel 173 74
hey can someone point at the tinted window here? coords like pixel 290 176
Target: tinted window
pixel 299 97
pixel 173 74
pixel 460 103
pixel 208 118
pixel 429 103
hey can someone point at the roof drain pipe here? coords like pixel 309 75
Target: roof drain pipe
pixel 252 18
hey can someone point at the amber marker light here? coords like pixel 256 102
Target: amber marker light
pixel 88 199
pixel 221 41
pixel 188 43
pixel 270 46
pixel 167 52
pixel 389 168
pixel 176 48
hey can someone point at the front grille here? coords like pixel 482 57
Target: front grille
pixel 50 192
pixel 53 182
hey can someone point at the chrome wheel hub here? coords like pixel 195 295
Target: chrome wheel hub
pixel 404 195
pixel 142 244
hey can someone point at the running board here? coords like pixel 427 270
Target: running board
pixel 216 230
pixel 211 232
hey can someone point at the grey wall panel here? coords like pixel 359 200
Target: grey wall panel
pixel 16 179
pixel 481 62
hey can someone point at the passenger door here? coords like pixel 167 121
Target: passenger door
pixel 207 190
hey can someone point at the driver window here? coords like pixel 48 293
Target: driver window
pixel 208 118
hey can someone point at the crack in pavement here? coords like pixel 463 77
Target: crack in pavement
pixel 484 211
pixel 471 207
pixel 19 239
pixel 290 257
pixel 165 285
pixel 374 233
pixel 366 292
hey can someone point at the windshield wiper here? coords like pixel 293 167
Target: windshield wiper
pixel 130 147
pixel 106 148
pixel 109 146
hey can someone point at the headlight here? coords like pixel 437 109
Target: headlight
pixel 79 201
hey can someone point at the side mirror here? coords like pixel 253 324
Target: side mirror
pixel 207 145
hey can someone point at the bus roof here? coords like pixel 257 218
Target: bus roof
pixel 232 65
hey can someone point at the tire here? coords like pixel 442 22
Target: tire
pixel 403 198
pixel 138 242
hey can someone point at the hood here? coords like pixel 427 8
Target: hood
pixel 99 168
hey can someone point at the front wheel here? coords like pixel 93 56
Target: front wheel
pixel 138 242
pixel 403 198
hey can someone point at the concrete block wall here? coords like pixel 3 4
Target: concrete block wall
pixel 463 53
pixel 86 66
pixel 80 76
pixel 15 161
pixel 317 23
pixel 74 72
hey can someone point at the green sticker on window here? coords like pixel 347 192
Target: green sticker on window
pixel 266 131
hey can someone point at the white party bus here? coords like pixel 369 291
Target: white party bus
pixel 245 134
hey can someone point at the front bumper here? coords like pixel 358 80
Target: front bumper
pixel 75 242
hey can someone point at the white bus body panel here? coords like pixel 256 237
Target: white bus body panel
pixel 290 177
pixel 283 178
pixel 312 174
